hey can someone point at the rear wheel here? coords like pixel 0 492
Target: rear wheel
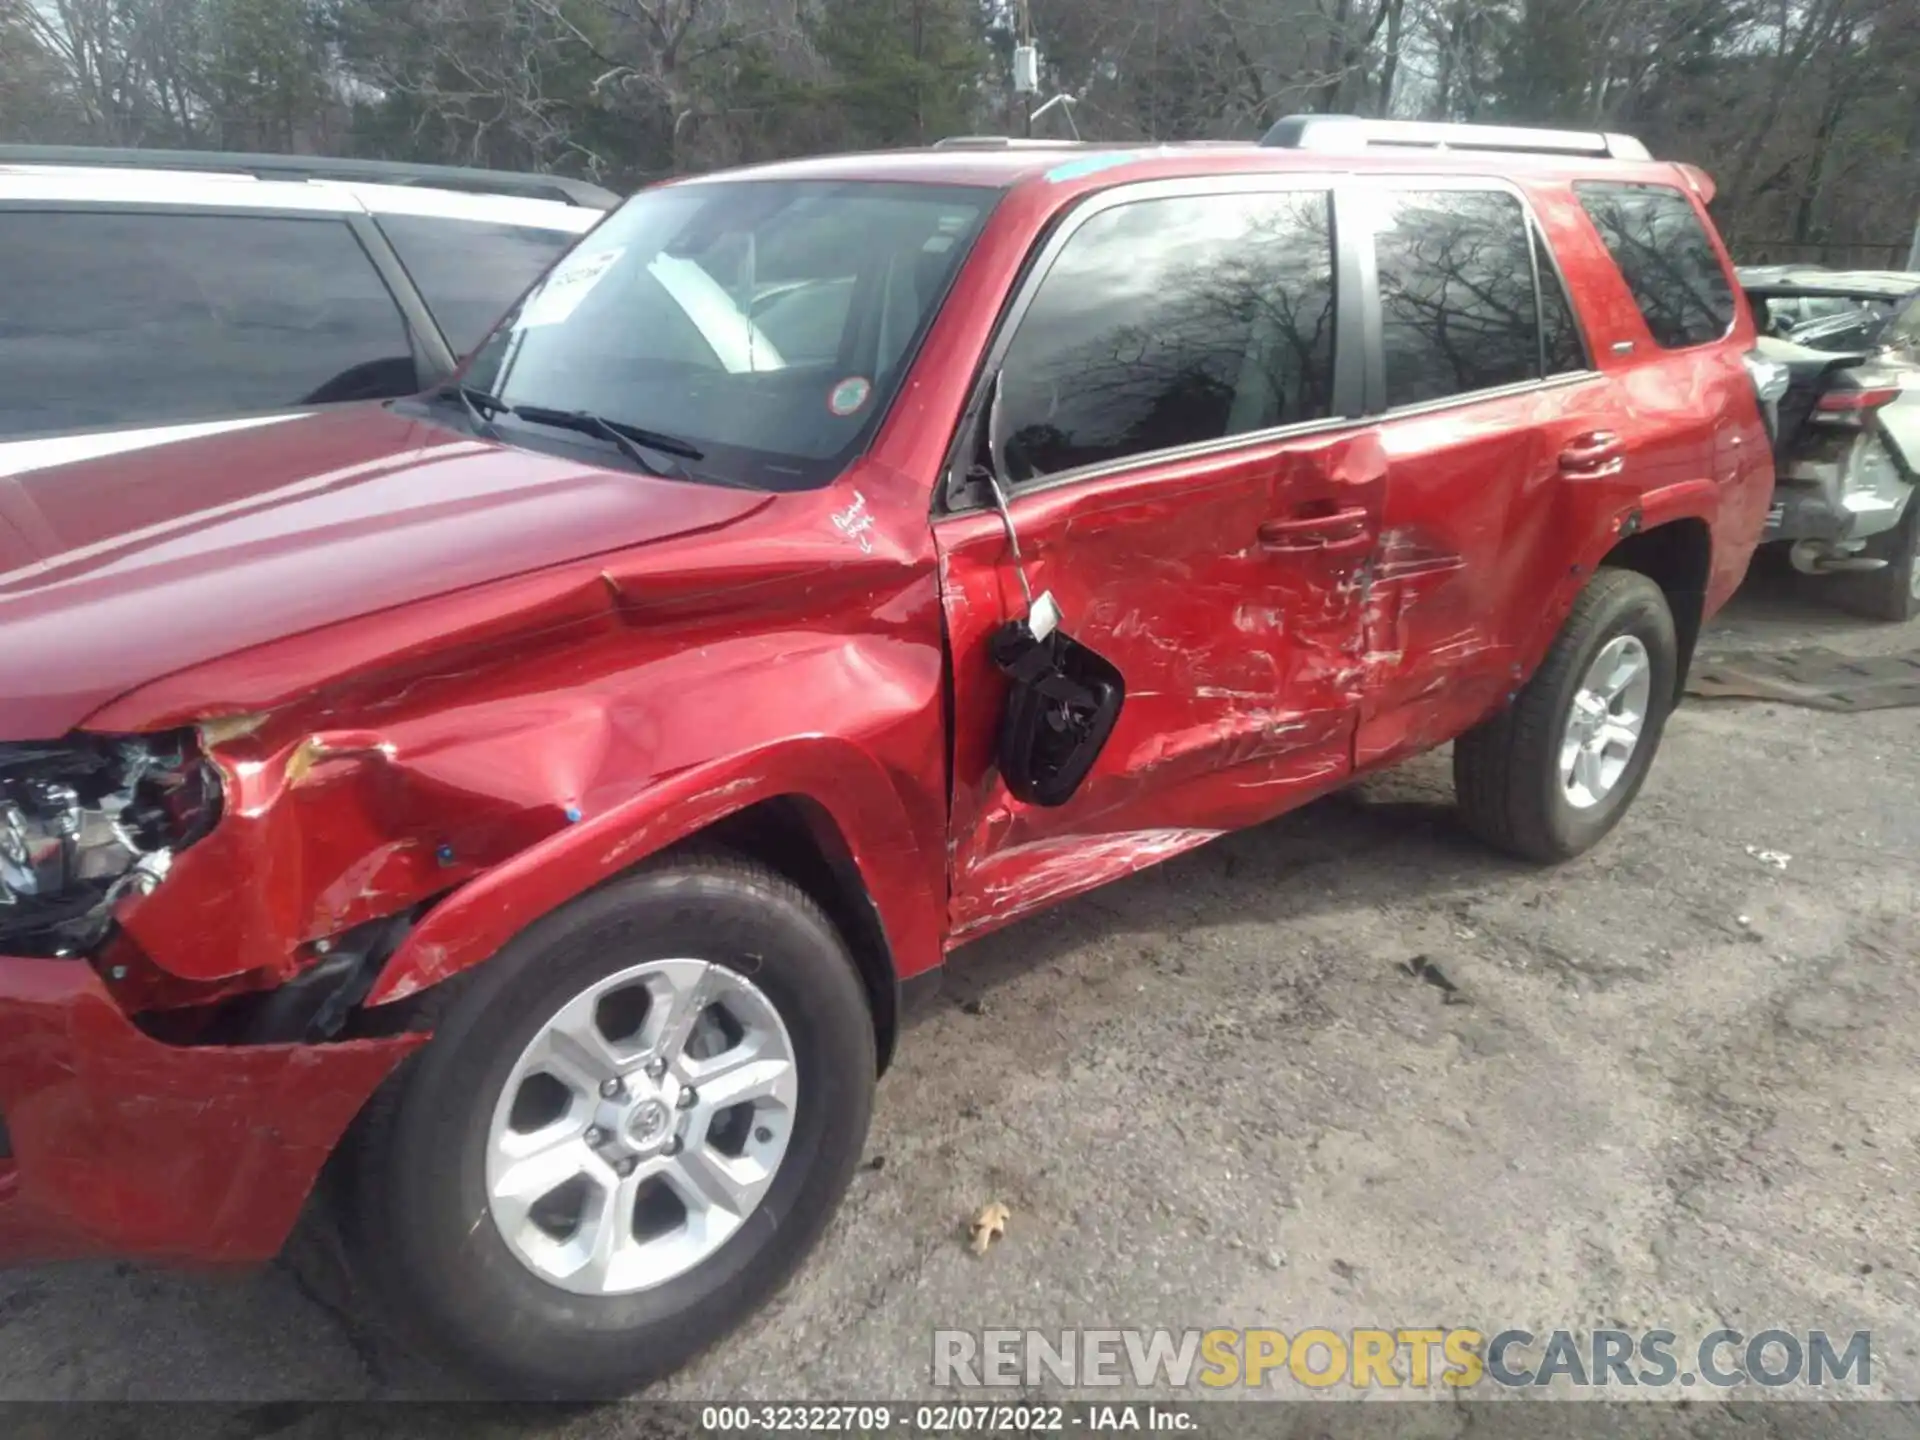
pixel 1550 775
pixel 628 1129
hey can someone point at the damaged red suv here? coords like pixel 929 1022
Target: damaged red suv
pixel 535 804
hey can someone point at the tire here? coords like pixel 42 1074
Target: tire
pixel 1507 774
pixel 429 1231
pixel 1892 593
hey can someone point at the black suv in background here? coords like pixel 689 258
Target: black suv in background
pixel 154 296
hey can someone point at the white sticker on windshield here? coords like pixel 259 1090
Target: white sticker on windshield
pixel 561 292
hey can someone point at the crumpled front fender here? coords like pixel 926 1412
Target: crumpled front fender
pixel 843 780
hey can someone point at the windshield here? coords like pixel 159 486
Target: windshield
pixel 766 324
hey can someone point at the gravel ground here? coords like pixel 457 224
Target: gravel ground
pixel 1675 1086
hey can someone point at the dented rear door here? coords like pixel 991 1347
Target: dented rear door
pixel 1185 484
pixel 1480 379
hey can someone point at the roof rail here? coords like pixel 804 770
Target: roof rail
pixel 1351 132
pixel 321 167
pixel 1002 142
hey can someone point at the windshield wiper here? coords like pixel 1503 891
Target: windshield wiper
pixel 477 403
pixel 628 437
pixel 590 424
pixel 633 441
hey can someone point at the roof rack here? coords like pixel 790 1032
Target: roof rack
pixel 321 167
pixel 1351 132
pixel 1002 142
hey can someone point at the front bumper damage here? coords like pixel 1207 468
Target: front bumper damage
pixel 179 1059
pixel 123 1145
pixel 112 1139
pixel 172 1091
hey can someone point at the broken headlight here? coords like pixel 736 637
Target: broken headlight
pixel 84 820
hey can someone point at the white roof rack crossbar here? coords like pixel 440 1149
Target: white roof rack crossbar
pixel 1002 142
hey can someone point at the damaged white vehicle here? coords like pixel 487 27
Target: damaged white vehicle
pixel 1847 445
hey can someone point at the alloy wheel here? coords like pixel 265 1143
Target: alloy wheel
pixel 641 1126
pixel 1604 722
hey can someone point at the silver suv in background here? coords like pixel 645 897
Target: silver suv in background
pixel 1847 446
pixel 156 296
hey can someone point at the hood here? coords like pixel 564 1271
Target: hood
pixel 118 570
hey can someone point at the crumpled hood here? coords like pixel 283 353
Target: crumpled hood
pixel 119 570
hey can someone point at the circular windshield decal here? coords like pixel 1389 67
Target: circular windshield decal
pixel 849 395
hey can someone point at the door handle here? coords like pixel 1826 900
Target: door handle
pixel 1339 530
pixel 1598 452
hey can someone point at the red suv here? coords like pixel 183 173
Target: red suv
pixel 536 803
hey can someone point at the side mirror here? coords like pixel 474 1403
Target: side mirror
pixel 1063 699
pixel 1062 705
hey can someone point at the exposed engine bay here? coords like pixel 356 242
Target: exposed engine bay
pixel 87 820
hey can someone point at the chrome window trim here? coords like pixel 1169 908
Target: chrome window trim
pixel 1492 392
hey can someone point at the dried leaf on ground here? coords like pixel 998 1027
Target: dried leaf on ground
pixel 989 1224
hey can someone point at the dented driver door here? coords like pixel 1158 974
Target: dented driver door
pixel 1182 485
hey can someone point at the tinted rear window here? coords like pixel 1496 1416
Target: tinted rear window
pixel 1670 265
pixel 113 318
pixel 470 273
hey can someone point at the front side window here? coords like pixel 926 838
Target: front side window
pixel 470 271
pixel 764 324
pixel 1457 305
pixel 116 318
pixel 1669 263
pixel 1165 323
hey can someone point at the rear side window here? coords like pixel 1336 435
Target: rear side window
pixel 1173 322
pixel 119 319
pixel 1669 263
pixel 1457 304
pixel 470 273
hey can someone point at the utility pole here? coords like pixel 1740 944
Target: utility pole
pixel 1026 66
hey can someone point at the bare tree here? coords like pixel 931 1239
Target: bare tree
pixel 1804 109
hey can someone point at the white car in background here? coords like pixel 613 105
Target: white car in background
pixel 1847 446
pixel 156 296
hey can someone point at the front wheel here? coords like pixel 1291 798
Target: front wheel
pixel 1550 775
pixel 628 1129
